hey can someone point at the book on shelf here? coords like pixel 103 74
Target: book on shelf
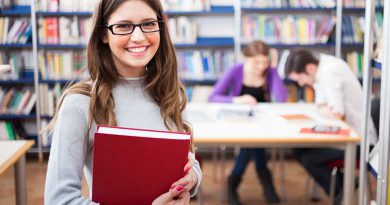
pixel 49 97
pixel 352 29
pixel 356 61
pixel 61 64
pixel 15 101
pixel 66 5
pixel 154 161
pixel 360 3
pixel 222 2
pixel 287 30
pixel 288 4
pixel 182 30
pixel 6 4
pixel 6 131
pixel 64 30
pixel 12 130
pixel 15 31
pixel 17 63
pixel 203 65
pixel 186 5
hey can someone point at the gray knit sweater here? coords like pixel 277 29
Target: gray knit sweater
pixel 133 108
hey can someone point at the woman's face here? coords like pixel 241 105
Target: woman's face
pixel 132 52
pixel 257 64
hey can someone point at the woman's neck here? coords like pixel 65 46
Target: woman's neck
pixel 252 80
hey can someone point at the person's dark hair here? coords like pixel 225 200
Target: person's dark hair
pixel 256 48
pixel 297 61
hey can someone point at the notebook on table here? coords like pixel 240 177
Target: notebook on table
pixel 135 166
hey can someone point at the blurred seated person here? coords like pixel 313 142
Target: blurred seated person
pixel 250 82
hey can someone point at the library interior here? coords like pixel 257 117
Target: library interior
pixel 227 102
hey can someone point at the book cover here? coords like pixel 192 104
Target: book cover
pixel 135 166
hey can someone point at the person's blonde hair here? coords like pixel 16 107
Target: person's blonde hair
pixel 161 78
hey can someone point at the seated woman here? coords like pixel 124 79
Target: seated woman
pixel 255 80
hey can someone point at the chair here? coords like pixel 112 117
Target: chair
pixel 338 164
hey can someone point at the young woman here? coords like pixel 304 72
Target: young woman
pixel 256 80
pixel 133 82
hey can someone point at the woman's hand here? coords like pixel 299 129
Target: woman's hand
pixel 274 57
pixel 245 99
pixel 190 178
pixel 175 196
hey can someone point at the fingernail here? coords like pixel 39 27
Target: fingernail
pixel 172 187
pixel 179 188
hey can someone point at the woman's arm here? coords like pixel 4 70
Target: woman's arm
pixel 278 91
pixel 221 88
pixel 66 162
pixel 196 169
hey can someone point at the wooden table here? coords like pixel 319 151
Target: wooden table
pixel 271 125
pixel 13 153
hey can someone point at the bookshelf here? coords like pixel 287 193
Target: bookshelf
pixel 17 94
pixel 381 149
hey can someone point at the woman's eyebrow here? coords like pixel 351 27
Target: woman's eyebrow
pixel 129 21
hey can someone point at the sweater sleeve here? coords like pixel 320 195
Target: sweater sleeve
pixel 198 172
pixel 221 90
pixel 278 91
pixel 66 162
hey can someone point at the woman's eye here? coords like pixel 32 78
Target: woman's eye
pixel 149 24
pixel 124 26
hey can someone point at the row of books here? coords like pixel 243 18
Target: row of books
pixel 288 3
pixel 287 30
pixel 48 98
pixel 204 65
pixel 360 3
pixel 187 5
pixel 352 29
pixel 66 5
pixel 8 4
pixel 305 3
pixel 356 61
pixel 61 64
pixel 64 30
pixel 13 65
pixel 182 30
pixel 17 101
pixel 15 31
pixel 12 130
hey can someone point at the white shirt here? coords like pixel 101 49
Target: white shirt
pixel 337 86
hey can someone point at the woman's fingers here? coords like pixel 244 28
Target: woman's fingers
pixel 189 165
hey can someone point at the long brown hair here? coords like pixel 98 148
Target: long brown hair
pixel 161 79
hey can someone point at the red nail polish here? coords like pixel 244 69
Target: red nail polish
pixel 179 188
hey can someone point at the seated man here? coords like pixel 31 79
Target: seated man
pixel 338 94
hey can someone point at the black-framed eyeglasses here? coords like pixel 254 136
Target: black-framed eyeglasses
pixel 128 28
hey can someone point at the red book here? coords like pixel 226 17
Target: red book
pixel 135 166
